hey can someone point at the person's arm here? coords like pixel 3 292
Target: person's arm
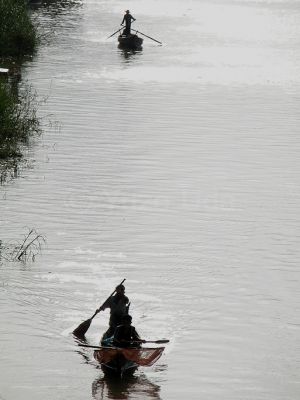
pixel 123 20
pixel 105 305
pixel 136 336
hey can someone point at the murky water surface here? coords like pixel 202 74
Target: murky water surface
pixel 176 167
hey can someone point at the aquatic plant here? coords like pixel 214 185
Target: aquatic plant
pixel 18 35
pixel 30 247
pixel 25 250
pixel 18 119
pixel 9 170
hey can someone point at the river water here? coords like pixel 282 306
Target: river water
pixel 177 168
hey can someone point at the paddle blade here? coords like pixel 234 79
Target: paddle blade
pixel 82 329
pixel 162 341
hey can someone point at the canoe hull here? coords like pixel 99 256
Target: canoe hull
pixel 117 365
pixel 130 41
pixel 125 361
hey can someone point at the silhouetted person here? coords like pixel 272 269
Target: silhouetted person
pixel 125 334
pixel 127 20
pixel 118 304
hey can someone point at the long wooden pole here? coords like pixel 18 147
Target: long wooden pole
pixel 149 37
pixel 115 32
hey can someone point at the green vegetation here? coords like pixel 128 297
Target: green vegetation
pixel 18 120
pixel 18 35
pixel 18 38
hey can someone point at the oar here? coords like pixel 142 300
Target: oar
pixel 81 329
pixel 147 36
pixel 115 32
pixel 147 341
pixel 162 341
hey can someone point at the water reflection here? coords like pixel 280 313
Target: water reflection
pixel 82 351
pixel 57 6
pixel 137 387
pixel 129 54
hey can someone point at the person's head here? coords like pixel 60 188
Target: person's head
pixel 120 289
pixel 127 319
pixel 127 11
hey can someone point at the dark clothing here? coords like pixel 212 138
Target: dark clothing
pixel 118 304
pixel 127 20
pixel 124 335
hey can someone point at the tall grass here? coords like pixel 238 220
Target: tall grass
pixel 18 120
pixel 17 33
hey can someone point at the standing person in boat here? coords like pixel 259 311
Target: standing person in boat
pixel 126 335
pixel 127 20
pixel 119 306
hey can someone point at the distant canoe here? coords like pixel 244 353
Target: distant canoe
pixel 130 41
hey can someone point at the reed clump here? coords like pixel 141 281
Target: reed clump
pixel 18 36
pixel 18 119
pixel 25 250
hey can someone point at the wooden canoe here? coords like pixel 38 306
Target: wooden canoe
pixel 130 41
pixel 125 361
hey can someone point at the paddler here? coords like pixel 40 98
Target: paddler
pixel 119 305
pixel 126 335
pixel 127 20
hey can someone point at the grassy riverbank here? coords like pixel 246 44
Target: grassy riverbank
pixel 18 119
pixel 18 38
pixel 18 35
